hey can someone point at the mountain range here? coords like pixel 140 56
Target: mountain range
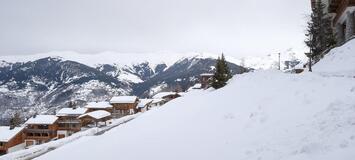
pixel 43 85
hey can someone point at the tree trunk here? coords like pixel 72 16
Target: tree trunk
pixel 310 64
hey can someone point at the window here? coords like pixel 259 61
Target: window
pixel 2 144
pixel 43 127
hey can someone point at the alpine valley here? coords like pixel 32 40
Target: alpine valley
pixel 43 84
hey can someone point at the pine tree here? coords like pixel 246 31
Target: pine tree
pixel 15 120
pixel 222 73
pixel 319 33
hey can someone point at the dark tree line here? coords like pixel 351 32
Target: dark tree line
pixel 319 33
pixel 222 73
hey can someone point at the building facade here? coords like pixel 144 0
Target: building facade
pixel 68 122
pixel 11 139
pixel 343 15
pixel 41 129
pixel 123 105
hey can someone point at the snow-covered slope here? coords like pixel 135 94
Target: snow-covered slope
pixel 264 115
pixel 339 61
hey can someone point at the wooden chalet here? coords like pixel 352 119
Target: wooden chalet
pixel 157 102
pixel 144 105
pixel 123 105
pixel 342 12
pixel 96 106
pixel 205 80
pixel 167 96
pixel 68 122
pixel 11 139
pixel 95 117
pixel 41 129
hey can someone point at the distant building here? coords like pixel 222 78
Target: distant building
pixel 95 117
pixel 167 96
pixel 157 102
pixel 68 122
pixel 123 105
pixel 144 105
pixel 95 106
pixel 41 129
pixel 342 13
pixel 205 80
pixel 11 139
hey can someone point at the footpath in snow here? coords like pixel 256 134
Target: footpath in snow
pixel 50 146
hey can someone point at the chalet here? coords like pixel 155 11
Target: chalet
pixel 68 122
pixel 343 15
pixel 95 117
pixel 205 80
pixel 123 105
pixel 95 106
pixel 41 129
pixel 11 139
pixel 167 96
pixel 157 102
pixel 144 105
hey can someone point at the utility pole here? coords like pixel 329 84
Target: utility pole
pixel 279 61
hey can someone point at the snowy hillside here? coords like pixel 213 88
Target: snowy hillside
pixel 339 61
pixel 263 115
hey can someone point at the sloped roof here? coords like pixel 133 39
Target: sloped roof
pixel 123 99
pixel 99 105
pixel 157 100
pixel 42 119
pixel 96 114
pixel 143 102
pixel 6 134
pixel 71 111
pixel 164 94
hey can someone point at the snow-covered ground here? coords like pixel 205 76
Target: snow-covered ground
pixel 339 61
pixel 265 115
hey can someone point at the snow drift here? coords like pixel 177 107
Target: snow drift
pixel 263 116
pixel 339 61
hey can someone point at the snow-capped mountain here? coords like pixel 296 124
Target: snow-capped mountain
pixel 43 85
pixel 288 59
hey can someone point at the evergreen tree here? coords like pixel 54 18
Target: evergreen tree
pixel 222 73
pixel 15 120
pixel 319 33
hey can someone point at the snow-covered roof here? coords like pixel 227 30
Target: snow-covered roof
pixel 206 74
pixel 97 114
pixel 98 105
pixel 157 100
pixel 42 119
pixel 6 134
pixel 71 111
pixel 123 99
pixel 143 102
pixel 163 94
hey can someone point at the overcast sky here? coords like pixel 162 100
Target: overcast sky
pixel 236 27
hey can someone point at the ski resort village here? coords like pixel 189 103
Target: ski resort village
pixel 177 80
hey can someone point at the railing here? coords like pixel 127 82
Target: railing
pixel 40 131
pixel 69 121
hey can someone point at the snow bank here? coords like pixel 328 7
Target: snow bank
pixel 38 150
pixel 339 61
pixel 258 116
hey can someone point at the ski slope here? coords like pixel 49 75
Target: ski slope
pixel 266 115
